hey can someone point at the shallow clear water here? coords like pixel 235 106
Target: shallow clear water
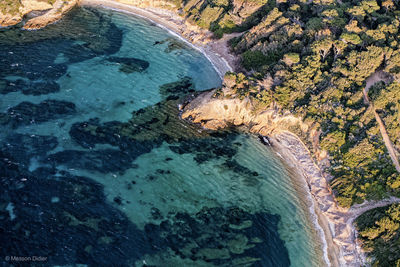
pixel 97 168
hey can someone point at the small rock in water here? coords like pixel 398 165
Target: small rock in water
pixel 130 65
pixel 10 209
pixel 156 214
pixel 118 200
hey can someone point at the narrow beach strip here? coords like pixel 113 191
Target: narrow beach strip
pixel 216 52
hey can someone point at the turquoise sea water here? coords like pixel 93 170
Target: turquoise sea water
pixel 97 168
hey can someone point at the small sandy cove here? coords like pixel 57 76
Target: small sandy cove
pixel 217 51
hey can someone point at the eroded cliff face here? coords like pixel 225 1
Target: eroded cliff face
pixel 39 13
pixel 217 112
pixel 12 13
pixel 295 141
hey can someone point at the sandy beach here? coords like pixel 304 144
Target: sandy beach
pixel 216 51
pixel 333 224
pixel 284 144
pixel 340 234
pixel 334 230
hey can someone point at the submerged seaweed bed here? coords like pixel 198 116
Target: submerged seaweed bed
pixel 87 181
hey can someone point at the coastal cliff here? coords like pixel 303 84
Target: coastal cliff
pixel 38 14
pixel 313 59
pixel 218 109
pixel 296 142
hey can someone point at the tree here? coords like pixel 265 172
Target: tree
pixel 351 38
pixel 291 58
pixel 388 5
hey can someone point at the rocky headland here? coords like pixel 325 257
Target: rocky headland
pixel 296 141
pixel 34 14
pixel 218 109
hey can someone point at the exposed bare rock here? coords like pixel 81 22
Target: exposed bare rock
pixel 220 112
pixel 51 12
pixel 213 111
pixel 60 8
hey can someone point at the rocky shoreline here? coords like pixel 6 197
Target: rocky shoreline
pixel 215 113
pixel 338 232
pixel 38 14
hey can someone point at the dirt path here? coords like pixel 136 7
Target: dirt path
pixel 357 210
pixel 337 223
pixel 374 78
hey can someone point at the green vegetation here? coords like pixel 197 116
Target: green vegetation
pixel 10 6
pixel 256 59
pixel 313 58
pixel 380 235
pixel 224 16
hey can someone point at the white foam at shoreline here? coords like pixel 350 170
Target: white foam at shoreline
pixel 319 228
pixel 170 31
pixel 314 216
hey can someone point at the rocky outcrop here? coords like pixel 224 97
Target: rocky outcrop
pixel 214 111
pixel 220 112
pixel 38 13
pixel 11 16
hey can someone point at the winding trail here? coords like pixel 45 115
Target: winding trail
pixel 371 80
pixel 336 222
pixel 358 209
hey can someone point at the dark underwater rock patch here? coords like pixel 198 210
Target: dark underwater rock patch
pixel 33 61
pixel 51 72
pixel 78 53
pixel 130 64
pixel 238 168
pixel 28 113
pixel 88 134
pixel 81 227
pixel 248 176
pixel 104 161
pixel 175 90
pixel 206 149
pixel 30 88
pixel 222 236
pixel 23 146
pixel 172 44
